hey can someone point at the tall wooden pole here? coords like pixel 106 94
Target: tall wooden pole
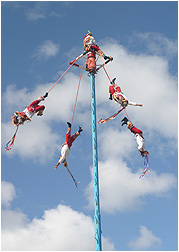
pixel 97 216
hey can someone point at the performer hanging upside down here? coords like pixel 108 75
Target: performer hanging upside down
pixel 116 94
pixel 65 150
pixel 138 135
pixel 29 111
pixel 90 44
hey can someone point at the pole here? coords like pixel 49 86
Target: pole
pixel 91 67
pixel 97 216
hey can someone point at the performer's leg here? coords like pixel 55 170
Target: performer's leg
pixel 65 150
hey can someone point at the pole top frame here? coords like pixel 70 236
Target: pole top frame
pixel 85 68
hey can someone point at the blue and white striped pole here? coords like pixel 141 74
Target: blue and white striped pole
pixel 97 216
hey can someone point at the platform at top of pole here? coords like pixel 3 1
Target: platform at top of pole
pixel 91 61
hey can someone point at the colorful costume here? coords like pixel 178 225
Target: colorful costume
pixel 90 44
pixel 29 112
pixel 138 135
pixel 65 150
pixel 116 94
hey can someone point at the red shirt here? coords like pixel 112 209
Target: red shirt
pixel 113 89
pixel 136 130
pixel 69 139
pixel 117 89
pixel 33 105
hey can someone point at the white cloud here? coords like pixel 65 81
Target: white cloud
pixel 122 190
pixel 157 44
pixel 61 228
pixel 41 11
pixel 13 220
pixel 35 14
pixel 13 5
pixel 7 193
pixel 35 141
pixel 115 142
pixel 146 79
pixel 46 50
pixel 145 241
pixel 38 12
pixel 38 134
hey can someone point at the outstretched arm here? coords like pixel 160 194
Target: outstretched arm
pixel 134 104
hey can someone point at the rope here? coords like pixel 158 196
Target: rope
pixel 71 64
pixel 106 70
pixel 60 77
pixel 76 96
pixel 127 115
pixel 107 74
pixel 76 183
pixel 109 77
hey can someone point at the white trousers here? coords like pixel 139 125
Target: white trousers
pixel 140 142
pixel 28 113
pixel 65 151
pixel 121 97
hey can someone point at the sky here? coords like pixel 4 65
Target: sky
pixel 42 210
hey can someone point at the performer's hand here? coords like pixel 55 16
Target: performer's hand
pixel 56 166
pixel 110 97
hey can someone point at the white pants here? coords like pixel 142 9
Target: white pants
pixel 65 151
pixel 140 142
pixel 120 96
pixel 28 113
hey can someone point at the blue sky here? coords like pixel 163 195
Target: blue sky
pixel 41 208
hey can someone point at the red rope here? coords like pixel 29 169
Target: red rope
pixel 76 95
pixel 71 64
pixel 60 77
pixel 76 183
pixel 106 70
pixel 107 74
pixel 127 115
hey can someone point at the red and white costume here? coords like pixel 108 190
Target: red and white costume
pixel 138 136
pixel 89 40
pixel 90 43
pixel 33 108
pixel 119 97
pixel 65 150
pixel 114 88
